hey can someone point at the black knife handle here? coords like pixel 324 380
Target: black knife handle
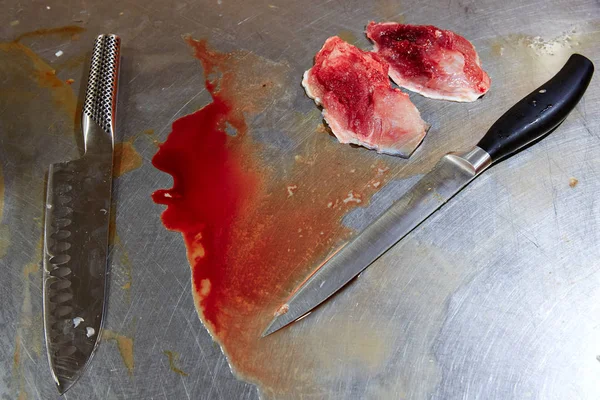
pixel 541 111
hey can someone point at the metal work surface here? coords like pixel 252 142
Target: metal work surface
pixel 497 296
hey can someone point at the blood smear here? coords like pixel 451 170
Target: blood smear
pixel 248 241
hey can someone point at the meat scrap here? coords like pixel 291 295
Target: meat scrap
pixel 433 62
pixel 358 102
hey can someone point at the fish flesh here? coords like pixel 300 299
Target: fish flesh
pixel 359 103
pixel 436 63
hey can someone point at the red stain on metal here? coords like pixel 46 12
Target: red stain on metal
pixel 210 187
pixel 249 243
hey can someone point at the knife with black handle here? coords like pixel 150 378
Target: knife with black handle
pixel 529 120
pixel 76 227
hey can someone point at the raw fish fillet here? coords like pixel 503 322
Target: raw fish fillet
pixel 358 101
pixel 433 62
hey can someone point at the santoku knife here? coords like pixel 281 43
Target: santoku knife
pixel 527 121
pixel 76 227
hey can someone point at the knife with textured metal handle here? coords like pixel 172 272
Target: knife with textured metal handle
pixel 76 227
pixel 527 121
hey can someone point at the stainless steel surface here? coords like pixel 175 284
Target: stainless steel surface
pixel 496 298
pixel 450 175
pixel 76 228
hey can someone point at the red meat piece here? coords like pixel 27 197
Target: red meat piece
pixel 358 101
pixel 433 62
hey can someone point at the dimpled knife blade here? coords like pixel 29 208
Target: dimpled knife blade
pixel 76 227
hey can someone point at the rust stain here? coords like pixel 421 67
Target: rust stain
pixel 17 353
pixel 4 230
pixel 26 65
pixel 1 192
pixel 69 31
pixel 573 182
pixel 126 158
pixel 125 346
pixel 17 372
pixel 249 242
pixel 31 268
pixel 173 358
pixel 498 49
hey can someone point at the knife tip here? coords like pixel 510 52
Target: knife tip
pixel 270 328
pixel 282 320
pixel 63 385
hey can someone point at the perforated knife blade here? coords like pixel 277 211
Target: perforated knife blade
pixel 530 119
pixel 76 227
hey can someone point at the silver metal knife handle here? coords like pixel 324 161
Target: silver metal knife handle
pixel 99 108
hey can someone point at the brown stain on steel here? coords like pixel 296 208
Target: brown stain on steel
pixel 173 358
pixel 125 346
pixel 18 377
pixel 1 193
pixel 18 380
pixel 498 49
pixel 29 269
pixel 26 66
pixel 69 31
pixel 126 158
pixel 248 254
pixel 4 229
pixel 573 182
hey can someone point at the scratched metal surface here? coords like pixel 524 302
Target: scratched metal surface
pixel 497 296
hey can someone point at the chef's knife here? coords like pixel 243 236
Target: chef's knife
pixel 76 227
pixel 527 121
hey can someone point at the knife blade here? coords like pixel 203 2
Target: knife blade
pixel 529 120
pixel 78 198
